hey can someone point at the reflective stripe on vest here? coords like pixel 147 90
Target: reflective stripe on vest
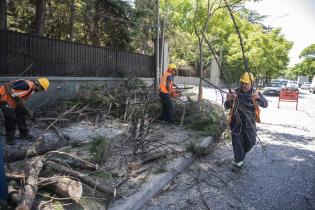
pixel 23 94
pixel 163 82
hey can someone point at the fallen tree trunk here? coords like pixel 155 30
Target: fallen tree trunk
pixel 71 160
pixel 12 154
pixel 65 187
pixel 154 156
pixel 91 181
pixel 32 169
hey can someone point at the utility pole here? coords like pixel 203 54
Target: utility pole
pixel 157 46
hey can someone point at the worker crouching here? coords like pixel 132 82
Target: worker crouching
pixel 167 92
pixel 12 98
pixel 243 103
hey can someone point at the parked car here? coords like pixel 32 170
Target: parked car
pixel 292 85
pixel 273 88
pixel 306 86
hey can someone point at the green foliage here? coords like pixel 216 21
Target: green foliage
pixel 205 117
pixel 266 50
pixel 98 22
pixel 131 25
pixel 132 83
pixel 308 52
pixel 99 148
pixel 93 95
pixel 197 150
pixel 161 167
pixel 306 66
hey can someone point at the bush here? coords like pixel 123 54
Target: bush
pixel 206 117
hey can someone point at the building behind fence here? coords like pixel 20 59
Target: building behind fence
pixel 50 57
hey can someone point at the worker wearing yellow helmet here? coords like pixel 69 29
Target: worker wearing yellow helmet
pixel 12 103
pixel 167 92
pixel 243 103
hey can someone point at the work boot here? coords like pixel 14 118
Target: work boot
pixel 237 167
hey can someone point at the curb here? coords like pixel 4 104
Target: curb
pixel 158 182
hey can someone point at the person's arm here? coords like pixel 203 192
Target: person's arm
pixel 19 102
pixel 261 100
pixel 229 100
pixel 169 80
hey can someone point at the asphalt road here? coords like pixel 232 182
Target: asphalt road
pixel 282 176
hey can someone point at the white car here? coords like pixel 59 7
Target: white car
pixel 273 88
pixel 306 86
pixel 292 85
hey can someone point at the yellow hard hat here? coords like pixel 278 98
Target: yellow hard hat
pixel 43 82
pixel 247 78
pixel 172 66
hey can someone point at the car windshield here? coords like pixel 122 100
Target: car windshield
pixel 273 84
pixel 306 83
pixel 292 82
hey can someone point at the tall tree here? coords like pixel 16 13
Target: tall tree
pixel 3 14
pixel 40 17
pixel 72 19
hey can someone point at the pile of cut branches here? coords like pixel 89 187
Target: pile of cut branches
pixel 203 115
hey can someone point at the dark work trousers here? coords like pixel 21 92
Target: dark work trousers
pixel 242 142
pixel 3 181
pixel 167 107
pixel 12 118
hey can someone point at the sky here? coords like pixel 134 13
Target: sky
pixel 295 17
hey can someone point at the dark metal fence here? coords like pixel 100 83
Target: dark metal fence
pixel 61 58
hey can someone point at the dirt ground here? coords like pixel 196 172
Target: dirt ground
pixel 121 167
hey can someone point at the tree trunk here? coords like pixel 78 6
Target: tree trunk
pixel 71 160
pixel 63 186
pixel 3 14
pixel 14 155
pixel 91 181
pixel 200 92
pixel 40 17
pixel 72 20
pixel 96 19
pixel 32 169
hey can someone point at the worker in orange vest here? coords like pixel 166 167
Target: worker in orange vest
pixel 167 92
pixel 243 103
pixel 12 98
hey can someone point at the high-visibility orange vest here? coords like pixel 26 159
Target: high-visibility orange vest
pixel 23 94
pixel 163 82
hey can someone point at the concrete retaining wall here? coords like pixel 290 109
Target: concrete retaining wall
pixel 63 87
